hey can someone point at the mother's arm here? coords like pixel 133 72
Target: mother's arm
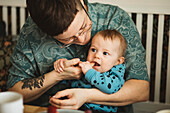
pixel 132 91
pixel 28 89
pixel 32 88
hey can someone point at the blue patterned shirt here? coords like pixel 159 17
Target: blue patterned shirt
pixel 36 52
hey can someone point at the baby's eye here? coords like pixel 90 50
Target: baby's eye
pixel 93 50
pixel 105 53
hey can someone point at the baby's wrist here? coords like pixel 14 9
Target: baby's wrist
pixel 87 70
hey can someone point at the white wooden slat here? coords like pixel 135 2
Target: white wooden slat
pixel 149 42
pixel 16 3
pixel 5 17
pixel 14 21
pixel 22 17
pixel 139 23
pixel 168 73
pixel 159 57
pixel 130 14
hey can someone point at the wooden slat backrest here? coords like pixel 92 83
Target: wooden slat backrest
pixel 6 4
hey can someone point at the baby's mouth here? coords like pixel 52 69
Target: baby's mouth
pixel 96 64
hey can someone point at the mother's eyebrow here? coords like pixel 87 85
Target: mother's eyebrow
pixel 82 24
pixel 79 29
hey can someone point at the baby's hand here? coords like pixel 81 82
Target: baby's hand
pixel 59 65
pixel 85 66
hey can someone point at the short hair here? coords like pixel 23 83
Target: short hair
pixel 53 16
pixel 112 35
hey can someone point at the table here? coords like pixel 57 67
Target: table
pixel 37 109
pixel 33 109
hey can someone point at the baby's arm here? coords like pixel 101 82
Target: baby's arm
pixel 59 65
pixel 108 82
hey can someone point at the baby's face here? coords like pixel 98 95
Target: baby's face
pixel 104 53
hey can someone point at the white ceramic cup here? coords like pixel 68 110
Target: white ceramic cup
pixel 11 102
pixel 164 111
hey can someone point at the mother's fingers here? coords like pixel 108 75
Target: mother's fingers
pixel 57 106
pixel 72 62
pixel 65 102
pixel 76 98
pixel 63 93
pixel 63 107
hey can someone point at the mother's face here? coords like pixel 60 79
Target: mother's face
pixel 79 31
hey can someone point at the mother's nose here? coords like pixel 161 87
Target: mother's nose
pixel 80 39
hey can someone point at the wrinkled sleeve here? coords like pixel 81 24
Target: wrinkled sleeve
pixel 22 61
pixel 135 53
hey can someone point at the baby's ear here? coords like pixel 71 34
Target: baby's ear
pixel 120 60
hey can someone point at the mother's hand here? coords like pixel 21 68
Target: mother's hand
pixel 70 71
pixel 76 97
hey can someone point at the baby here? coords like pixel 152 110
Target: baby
pixel 104 68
